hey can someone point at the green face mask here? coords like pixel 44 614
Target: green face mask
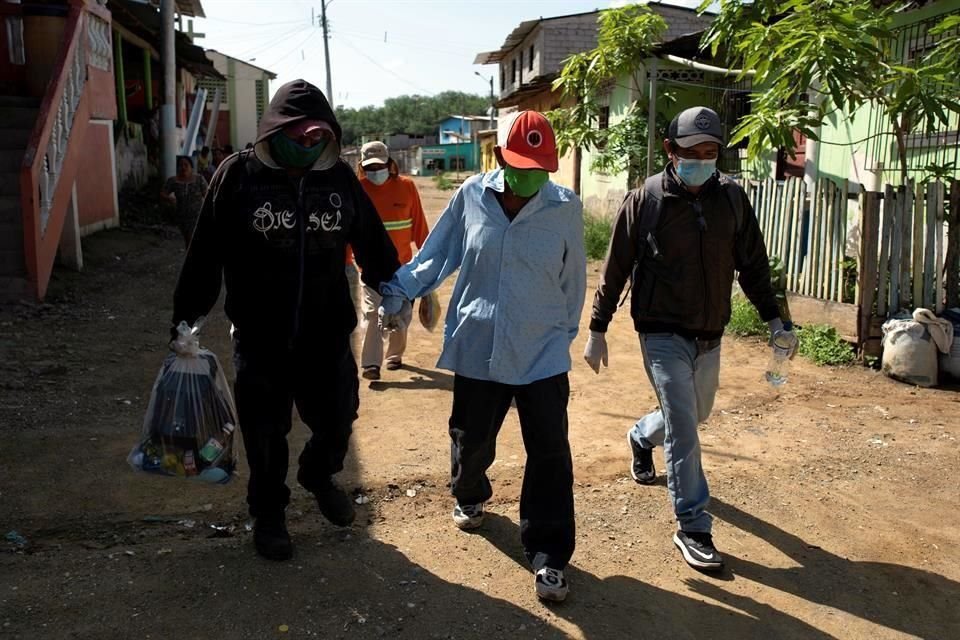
pixel 525 182
pixel 293 155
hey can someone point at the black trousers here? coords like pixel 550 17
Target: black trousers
pixel 546 500
pixel 322 383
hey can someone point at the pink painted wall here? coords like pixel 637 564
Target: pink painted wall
pixel 96 182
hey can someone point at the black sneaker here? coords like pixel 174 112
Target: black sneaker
pixel 698 550
pixel 393 365
pixel 271 539
pixel 335 505
pixel 371 373
pixel 642 466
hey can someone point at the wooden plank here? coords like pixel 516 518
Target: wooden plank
pixel 896 242
pixel 799 206
pixel 883 280
pixel 829 213
pixel 830 292
pixel 906 243
pixel 813 253
pixel 930 250
pixel 809 310
pixel 822 261
pixel 788 236
pixel 938 235
pixel 843 202
pixel 916 246
pixel 867 262
pixel 808 207
pixel 776 218
pixel 769 198
pixel 809 259
pixel 822 234
pixel 952 260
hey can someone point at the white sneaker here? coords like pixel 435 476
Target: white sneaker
pixel 468 516
pixel 551 585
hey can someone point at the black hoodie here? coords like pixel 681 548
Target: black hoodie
pixel 278 242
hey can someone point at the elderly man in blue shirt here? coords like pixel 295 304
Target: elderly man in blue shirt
pixel 517 239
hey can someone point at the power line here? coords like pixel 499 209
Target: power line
pixel 377 64
pixel 260 48
pixel 294 49
pixel 394 42
pixel 254 24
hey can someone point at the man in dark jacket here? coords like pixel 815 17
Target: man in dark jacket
pixel 274 227
pixel 681 239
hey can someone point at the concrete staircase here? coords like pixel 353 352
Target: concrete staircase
pixel 17 118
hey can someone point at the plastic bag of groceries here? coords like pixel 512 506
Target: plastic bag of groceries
pixel 191 420
pixel 429 311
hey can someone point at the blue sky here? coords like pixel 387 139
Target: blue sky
pixel 379 48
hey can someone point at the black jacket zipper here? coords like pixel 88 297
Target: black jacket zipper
pixel 302 229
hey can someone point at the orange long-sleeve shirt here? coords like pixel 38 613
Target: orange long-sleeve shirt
pixel 398 203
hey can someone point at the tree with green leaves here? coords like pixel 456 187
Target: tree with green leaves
pixel 416 114
pixel 815 59
pixel 625 38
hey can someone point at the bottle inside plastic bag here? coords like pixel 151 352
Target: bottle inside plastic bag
pixel 191 419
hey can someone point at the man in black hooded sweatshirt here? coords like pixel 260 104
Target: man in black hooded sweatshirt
pixel 274 226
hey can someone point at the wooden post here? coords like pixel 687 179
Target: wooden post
pixel 917 245
pixel 930 250
pixel 796 254
pixel 866 294
pixel 896 248
pixel 952 262
pixel 938 290
pixel 906 228
pixel 823 267
pixel 883 277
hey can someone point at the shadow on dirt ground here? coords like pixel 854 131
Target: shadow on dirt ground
pixel 622 606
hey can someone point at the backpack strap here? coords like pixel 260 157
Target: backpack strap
pixel 650 211
pixel 729 186
pixel 651 207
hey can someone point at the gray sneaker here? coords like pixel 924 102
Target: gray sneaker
pixel 641 467
pixel 468 516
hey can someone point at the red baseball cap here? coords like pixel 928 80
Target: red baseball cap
pixel 527 141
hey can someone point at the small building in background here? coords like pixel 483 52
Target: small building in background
pixel 244 96
pixel 458 147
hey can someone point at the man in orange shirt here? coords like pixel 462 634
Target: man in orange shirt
pixel 398 203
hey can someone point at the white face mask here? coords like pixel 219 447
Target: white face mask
pixel 378 177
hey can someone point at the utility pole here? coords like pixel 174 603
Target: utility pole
pixel 326 48
pixel 493 101
pixel 168 110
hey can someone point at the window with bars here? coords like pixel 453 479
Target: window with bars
pixel 939 147
pixel 261 91
pixel 211 85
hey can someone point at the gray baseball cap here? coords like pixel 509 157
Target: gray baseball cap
pixel 696 125
pixel 374 153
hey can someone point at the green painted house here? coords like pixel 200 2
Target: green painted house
pixel 855 146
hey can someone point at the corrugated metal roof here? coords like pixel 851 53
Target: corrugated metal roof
pixel 524 29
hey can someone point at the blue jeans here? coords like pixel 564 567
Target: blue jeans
pixel 684 373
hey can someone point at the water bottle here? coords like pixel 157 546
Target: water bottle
pixel 783 343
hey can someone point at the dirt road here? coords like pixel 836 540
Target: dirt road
pixel 835 498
